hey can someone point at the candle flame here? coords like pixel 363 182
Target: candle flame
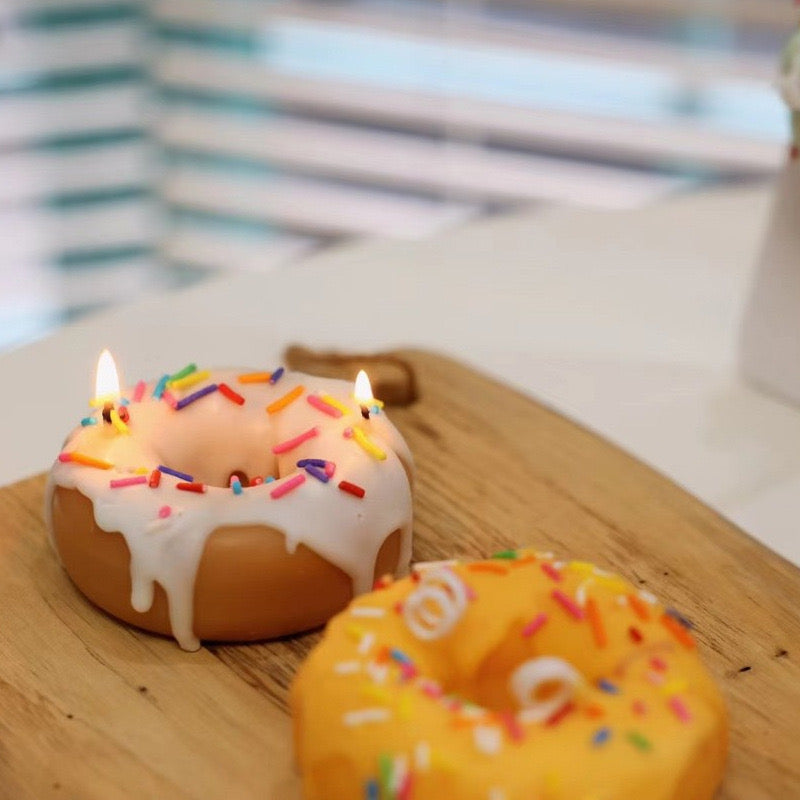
pixel 363 390
pixel 106 382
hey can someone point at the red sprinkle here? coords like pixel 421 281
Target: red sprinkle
pixel 658 664
pixel 234 397
pixel 155 479
pixel 635 634
pixel 352 488
pixel 199 488
pixel 512 726
pixel 560 714
pixel 552 572
pixel 256 480
pixel 639 707
pixel 568 604
pixel 534 625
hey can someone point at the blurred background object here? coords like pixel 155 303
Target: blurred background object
pixel 147 145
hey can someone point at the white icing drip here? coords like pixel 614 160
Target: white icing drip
pixel 214 437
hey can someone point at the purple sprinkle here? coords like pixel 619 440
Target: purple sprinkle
pixel 607 687
pixel 678 617
pixel 196 396
pixel 312 462
pixel 182 475
pixel 318 473
pixel 601 736
pixel 276 376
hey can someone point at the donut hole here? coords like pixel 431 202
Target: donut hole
pixel 213 446
pixel 547 690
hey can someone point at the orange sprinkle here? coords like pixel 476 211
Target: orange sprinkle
pixel 639 607
pixel 595 711
pixel 284 401
pixel 521 562
pixel 87 461
pixel 487 566
pixel 254 377
pixel 596 622
pixel 678 631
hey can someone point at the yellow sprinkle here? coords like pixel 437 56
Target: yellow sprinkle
pixel 674 686
pixel 368 445
pixel 101 400
pixel 141 471
pixel 378 693
pixel 355 632
pixel 189 380
pixel 118 423
pixel 404 707
pixel 284 401
pixel 582 567
pixel 254 377
pixel 332 401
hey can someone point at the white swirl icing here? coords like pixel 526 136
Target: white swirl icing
pixel 434 608
pixel 214 437
pixel 532 675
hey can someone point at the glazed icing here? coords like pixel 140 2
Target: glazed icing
pixel 166 529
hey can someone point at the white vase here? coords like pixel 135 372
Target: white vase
pixel 770 342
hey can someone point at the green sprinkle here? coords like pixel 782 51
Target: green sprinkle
pixel 182 373
pixel 385 769
pixel 509 554
pixel 639 741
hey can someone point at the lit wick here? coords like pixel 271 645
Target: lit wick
pixel 363 393
pixel 107 393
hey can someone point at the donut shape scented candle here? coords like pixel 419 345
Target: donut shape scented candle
pixel 231 506
pixel 512 678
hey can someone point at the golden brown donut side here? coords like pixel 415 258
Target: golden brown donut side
pixel 248 587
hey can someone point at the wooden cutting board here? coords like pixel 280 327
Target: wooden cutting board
pixel 90 708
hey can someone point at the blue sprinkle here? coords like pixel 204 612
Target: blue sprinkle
pixel 312 462
pixel 236 485
pixel 399 655
pixel 124 401
pixel 276 376
pixel 318 473
pixel 182 475
pixel 601 736
pixel 676 615
pixel 160 387
pixel 371 790
pixel 269 479
pixel 88 421
pixel 608 687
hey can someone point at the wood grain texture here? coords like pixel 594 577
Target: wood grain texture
pixel 94 709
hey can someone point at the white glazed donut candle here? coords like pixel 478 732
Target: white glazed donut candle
pixel 336 487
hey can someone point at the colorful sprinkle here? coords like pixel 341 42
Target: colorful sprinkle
pixel 552 572
pixel 678 631
pixel 192 398
pixel 596 623
pixel 254 377
pixel 134 480
pixel 317 473
pixel 311 462
pixel 164 512
pixel 639 741
pixel 568 604
pixel 236 485
pixel 534 625
pixel 511 555
pixel 175 473
pixel 323 406
pixel 365 715
pixel 639 707
pixel 605 685
pixel 352 488
pixel 601 736
pixel 371 790
pixel 182 373
pixel 86 461
pixel 330 469
pixel 282 402
pixel 512 726
pixel 639 607
pixel 635 635
pixel 290 444
pixel 198 488
pixel 256 480
pixel 117 422
pixel 276 376
pixel 368 445
pixel 169 398
pixel 332 401
pixel 287 486
pixel 158 390
pixel 155 479
pixel 559 715
pixel 373 612
pixel 487 566
pixel 189 380
pixel 227 392
pixel 138 391
pixel 680 709
pixel 86 421
pixel 658 664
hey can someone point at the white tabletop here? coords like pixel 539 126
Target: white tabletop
pixel 625 321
